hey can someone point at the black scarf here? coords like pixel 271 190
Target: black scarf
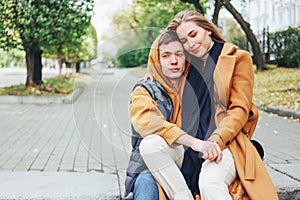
pixel 198 112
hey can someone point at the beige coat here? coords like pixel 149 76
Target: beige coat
pixel 233 80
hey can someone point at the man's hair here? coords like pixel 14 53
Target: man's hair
pixel 167 37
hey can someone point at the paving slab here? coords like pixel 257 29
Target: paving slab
pixel 58 185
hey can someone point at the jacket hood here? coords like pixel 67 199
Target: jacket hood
pixel 155 70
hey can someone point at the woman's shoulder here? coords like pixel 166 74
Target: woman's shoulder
pixel 232 49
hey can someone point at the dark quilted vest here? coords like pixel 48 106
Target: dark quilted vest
pixel 136 163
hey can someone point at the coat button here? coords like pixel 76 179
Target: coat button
pixel 227 143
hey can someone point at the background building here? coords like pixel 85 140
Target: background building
pixel 277 15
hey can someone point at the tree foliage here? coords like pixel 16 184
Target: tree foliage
pixel 83 49
pixel 146 19
pixel 37 25
pixel 157 13
pixel 198 4
pixel 233 33
pixel 89 45
pixel 284 47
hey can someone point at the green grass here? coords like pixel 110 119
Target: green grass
pixel 56 86
pixel 278 87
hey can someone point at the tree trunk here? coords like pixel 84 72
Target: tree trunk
pixel 37 73
pixel 29 66
pixel 8 61
pixel 77 66
pixel 218 6
pixel 258 58
pixel 59 57
pixel 88 64
pixel 73 65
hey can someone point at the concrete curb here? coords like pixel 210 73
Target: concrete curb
pixel 280 111
pixel 289 193
pixel 42 99
pixel 68 99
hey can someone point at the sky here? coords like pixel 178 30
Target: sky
pixel 103 12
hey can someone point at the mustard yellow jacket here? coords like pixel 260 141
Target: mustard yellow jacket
pixel 144 113
pixel 143 110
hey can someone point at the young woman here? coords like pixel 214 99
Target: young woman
pixel 217 106
pixel 155 113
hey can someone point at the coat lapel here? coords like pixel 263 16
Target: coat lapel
pixel 223 72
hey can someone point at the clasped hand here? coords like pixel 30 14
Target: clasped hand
pixel 210 150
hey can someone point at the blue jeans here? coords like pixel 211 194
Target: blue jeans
pixel 145 187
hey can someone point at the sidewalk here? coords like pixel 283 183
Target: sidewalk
pixel 81 150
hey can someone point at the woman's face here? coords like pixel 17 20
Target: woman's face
pixel 195 39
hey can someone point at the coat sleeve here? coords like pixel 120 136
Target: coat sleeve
pixel 147 119
pixel 238 103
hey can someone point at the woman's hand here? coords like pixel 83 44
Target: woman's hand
pixel 210 150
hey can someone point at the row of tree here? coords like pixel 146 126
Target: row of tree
pixel 55 28
pixel 157 13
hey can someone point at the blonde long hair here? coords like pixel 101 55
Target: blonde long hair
pixel 198 19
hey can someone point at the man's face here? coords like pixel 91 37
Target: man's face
pixel 172 59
